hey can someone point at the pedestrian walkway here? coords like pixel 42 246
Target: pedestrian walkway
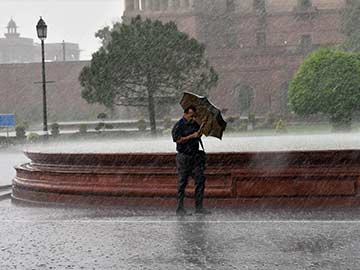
pixel 8 159
pixel 5 192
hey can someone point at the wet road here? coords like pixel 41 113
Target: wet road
pixel 118 238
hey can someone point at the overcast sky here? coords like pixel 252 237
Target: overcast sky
pixel 70 20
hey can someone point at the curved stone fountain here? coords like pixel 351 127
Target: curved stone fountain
pixel 292 177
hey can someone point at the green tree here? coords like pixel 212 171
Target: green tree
pixel 145 63
pixel 328 81
pixel 104 34
pixel 350 21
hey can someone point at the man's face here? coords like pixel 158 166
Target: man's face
pixel 190 115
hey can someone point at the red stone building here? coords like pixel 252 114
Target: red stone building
pixel 256 46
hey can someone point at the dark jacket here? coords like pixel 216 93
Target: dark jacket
pixel 184 128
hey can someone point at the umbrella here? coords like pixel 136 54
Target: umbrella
pixel 207 115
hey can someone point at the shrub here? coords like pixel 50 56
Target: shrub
pixel 270 120
pixel 108 126
pixel 100 126
pixel 82 129
pixel 102 116
pixel 55 129
pixel 328 82
pixel 141 124
pixel 243 124
pixel 20 131
pixel 252 119
pixel 280 126
pixel 3 140
pixel 32 137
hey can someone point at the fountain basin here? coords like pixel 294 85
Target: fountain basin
pixel 234 179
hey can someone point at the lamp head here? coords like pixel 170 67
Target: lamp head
pixel 41 29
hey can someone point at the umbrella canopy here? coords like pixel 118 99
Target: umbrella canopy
pixel 206 113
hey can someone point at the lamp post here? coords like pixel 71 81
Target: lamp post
pixel 41 29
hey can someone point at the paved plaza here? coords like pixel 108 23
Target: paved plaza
pixel 49 237
pixel 59 237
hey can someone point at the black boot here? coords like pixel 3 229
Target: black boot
pixel 180 211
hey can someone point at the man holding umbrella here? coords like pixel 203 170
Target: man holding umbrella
pixel 189 160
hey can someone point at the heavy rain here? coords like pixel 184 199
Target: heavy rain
pixel 180 134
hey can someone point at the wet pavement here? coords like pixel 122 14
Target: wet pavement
pixel 38 237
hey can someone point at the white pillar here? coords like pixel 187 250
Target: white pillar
pixel 175 4
pixel 142 4
pixel 136 5
pixel 191 4
pixel 129 5
pixel 171 5
pixel 148 4
pixel 152 4
pixel 184 4
pixel 164 4
pixel 156 5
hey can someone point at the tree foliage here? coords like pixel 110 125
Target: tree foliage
pixel 104 34
pixel 350 22
pixel 145 63
pixel 328 81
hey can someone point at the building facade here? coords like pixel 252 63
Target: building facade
pixel 21 92
pixel 16 49
pixel 256 46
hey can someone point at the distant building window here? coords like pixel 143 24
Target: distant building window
pixel 261 39
pixel 176 4
pixel 156 5
pixel 304 3
pixel 186 4
pixel 231 40
pixel 164 5
pixel 245 98
pixel 306 42
pixel 142 5
pixel 230 5
pixel 231 35
pixel 260 7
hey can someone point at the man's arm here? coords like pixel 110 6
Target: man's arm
pixel 194 135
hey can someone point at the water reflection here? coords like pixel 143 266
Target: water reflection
pixel 196 244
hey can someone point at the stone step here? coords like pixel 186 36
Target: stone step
pixel 5 192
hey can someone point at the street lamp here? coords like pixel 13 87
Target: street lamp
pixel 41 29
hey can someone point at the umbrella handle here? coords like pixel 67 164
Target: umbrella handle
pixel 201 127
pixel 203 123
